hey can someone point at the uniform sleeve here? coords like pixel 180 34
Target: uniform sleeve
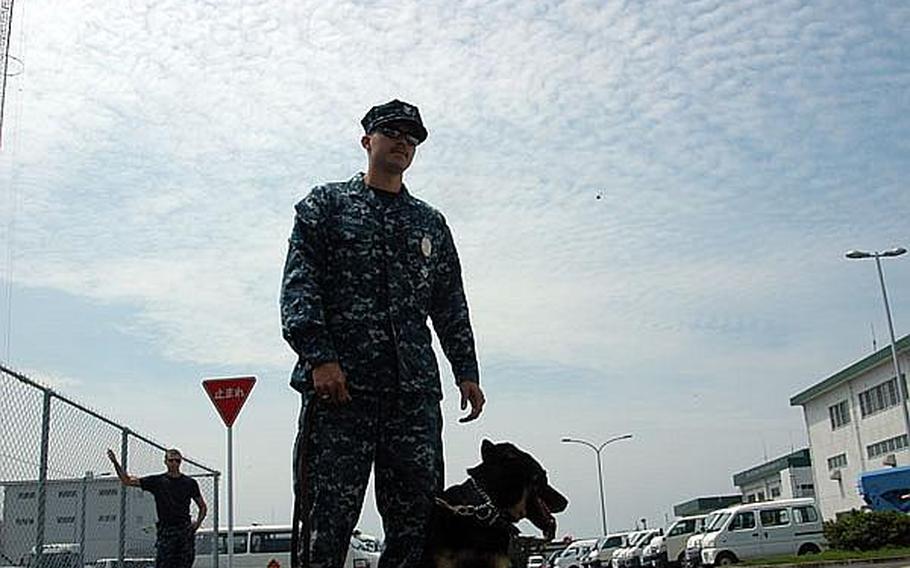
pixel 302 313
pixel 194 489
pixel 449 312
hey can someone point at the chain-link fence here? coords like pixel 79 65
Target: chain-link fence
pixel 61 505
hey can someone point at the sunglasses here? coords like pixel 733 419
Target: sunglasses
pixel 396 134
pixel 173 460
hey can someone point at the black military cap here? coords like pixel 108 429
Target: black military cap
pixel 394 111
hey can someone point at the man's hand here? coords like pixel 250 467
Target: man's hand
pixel 330 383
pixel 124 478
pixel 471 392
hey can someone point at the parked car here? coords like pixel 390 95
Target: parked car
pixel 535 561
pixel 127 563
pixel 769 528
pixel 693 544
pixel 602 553
pixel 670 549
pixel 619 554
pixel 631 555
pixel 56 555
pixel 551 559
pixel 572 555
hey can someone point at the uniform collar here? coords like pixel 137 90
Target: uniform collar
pixel 404 198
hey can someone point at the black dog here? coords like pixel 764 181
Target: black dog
pixel 474 522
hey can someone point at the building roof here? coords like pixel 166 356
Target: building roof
pixel 27 482
pixel 799 458
pixel 701 505
pixel 854 370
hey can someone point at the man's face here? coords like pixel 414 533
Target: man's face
pixel 390 148
pixel 172 461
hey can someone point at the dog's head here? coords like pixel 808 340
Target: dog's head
pixel 517 483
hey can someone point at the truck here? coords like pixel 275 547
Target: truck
pixel 886 489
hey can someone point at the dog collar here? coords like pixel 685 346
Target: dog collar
pixel 486 513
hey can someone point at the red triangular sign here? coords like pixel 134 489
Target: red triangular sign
pixel 228 395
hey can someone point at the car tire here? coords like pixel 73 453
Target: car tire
pixel 725 559
pixel 808 549
pixel 681 559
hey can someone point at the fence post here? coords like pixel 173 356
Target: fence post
pixel 85 479
pixel 217 478
pixel 124 459
pixel 42 476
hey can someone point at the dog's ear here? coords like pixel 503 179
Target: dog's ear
pixel 486 450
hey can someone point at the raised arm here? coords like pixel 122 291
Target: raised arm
pixel 125 478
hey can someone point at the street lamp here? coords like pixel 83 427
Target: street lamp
pixel 858 254
pixel 600 476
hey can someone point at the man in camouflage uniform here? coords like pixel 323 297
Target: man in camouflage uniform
pixel 367 264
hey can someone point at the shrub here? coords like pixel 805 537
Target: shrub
pixel 868 530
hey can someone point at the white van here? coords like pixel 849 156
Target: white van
pixel 670 549
pixel 255 546
pixel 768 528
pixel 575 553
pixel 602 553
pixel 630 556
pixel 693 545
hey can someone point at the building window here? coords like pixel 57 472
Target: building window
pixel 66 520
pixel 107 492
pixel 775 492
pixel 837 462
pixel 879 398
pixel 839 414
pixel 26 495
pixel 25 521
pixel 888 446
pixel 107 518
pixel 807 490
pixel 70 493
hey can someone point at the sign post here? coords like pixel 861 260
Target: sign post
pixel 228 395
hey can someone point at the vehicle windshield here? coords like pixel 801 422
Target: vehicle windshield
pixel 717 523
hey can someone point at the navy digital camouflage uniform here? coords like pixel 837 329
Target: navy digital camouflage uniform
pixel 360 281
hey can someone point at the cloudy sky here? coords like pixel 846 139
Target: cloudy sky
pixel 651 201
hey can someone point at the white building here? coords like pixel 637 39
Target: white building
pixel 786 477
pixel 856 423
pixel 69 502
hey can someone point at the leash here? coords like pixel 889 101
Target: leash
pixel 301 514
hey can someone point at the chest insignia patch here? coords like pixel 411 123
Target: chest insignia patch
pixel 426 247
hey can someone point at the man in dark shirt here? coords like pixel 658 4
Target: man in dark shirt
pixel 173 491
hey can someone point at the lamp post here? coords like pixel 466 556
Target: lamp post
pixel 902 386
pixel 600 476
